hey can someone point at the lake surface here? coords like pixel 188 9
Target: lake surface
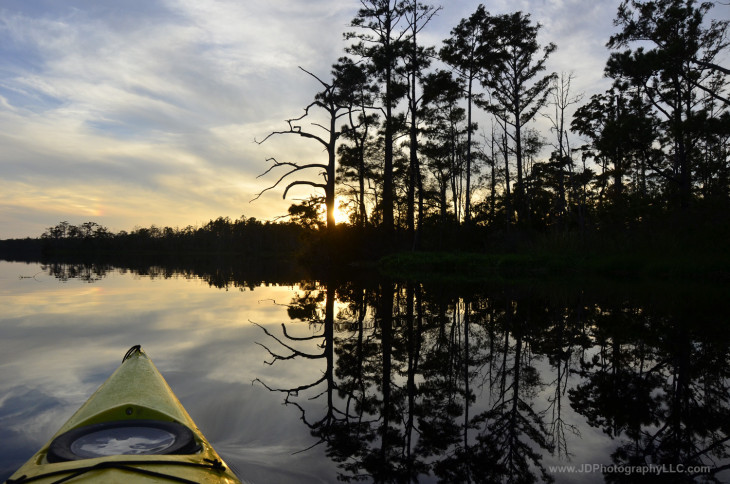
pixel 385 381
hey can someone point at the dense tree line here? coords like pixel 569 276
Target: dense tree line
pixel 406 155
pixel 412 168
pixel 243 236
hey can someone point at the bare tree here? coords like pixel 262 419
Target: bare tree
pixel 561 100
pixel 332 101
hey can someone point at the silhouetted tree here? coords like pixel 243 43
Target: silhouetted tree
pixel 443 145
pixel 361 120
pixel 469 52
pixel 416 59
pixel 333 99
pixel 380 41
pixel 517 91
pixel 562 158
pixel 673 63
pixel 622 131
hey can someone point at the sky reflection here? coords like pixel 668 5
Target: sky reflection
pixel 608 365
pixel 60 341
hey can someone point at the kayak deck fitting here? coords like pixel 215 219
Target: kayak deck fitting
pixel 132 429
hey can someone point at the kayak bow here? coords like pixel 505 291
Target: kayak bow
pixel 132 429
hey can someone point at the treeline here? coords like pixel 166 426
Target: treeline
pixel 647 161
pixel 243 236
pixel 301 238
pixel 404 153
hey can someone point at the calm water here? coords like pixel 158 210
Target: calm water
pixel 384 381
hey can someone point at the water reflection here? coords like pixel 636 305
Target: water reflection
pixel 218 271
pixel 416 383
pixel 60 340
pixel 404 382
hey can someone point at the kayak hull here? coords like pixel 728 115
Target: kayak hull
pixel 134 394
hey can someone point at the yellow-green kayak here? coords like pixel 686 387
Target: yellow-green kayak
pixel 132 429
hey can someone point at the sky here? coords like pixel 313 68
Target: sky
pixel 145 112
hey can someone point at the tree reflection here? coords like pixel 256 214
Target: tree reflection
pixel 472 387
pixel 218 272
pixel 663 389
pixel 306 308
pixel 512 434
pixel 478 384
pixel 406 369
pixel 90 272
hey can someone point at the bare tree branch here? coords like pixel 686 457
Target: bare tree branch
pixel 303 182
pixel 295 168
pixel 294 351
pixel 290 391
pixel 299 338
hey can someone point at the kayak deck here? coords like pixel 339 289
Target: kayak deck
pixel 120 469
pixel 134 398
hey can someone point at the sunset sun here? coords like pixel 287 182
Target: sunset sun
pixel 341 214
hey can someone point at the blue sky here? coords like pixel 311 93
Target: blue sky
pixel 145 112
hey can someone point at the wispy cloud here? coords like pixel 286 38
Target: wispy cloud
pixel 151 109
pixel 151 106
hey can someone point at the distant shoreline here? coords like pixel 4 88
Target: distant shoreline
pixel 435 266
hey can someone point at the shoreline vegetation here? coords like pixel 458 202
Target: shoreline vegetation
pixel 636 185
pixel 680 251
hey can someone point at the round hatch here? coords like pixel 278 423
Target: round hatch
pixel 123 437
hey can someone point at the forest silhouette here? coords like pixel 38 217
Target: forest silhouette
pixel 414 163
pixel 407 161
